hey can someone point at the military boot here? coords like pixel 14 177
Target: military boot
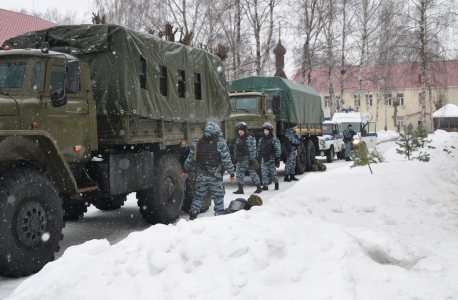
pixel 292 178
pixel 240 190
pixel 276 186
pixel 348 159
pixel 258 189
pixel 287 178
pixel 265 188
pixel 192 215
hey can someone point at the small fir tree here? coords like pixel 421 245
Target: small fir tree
pixel 408 144
pixel 421 134
pixel 361 157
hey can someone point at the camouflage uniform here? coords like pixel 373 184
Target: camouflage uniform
pixel 290 167
pixel 205 181
pixel 269 166
pixel 348 135
pixel 242 166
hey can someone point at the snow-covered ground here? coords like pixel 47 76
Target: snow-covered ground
pixel 386 135
pixel 339 234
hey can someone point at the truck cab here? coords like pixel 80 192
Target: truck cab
pixel 331 142
pixel 360 121
pixel 254 109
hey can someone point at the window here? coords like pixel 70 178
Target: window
pixel 246 103
pixel 197 87
pixel 163 80
pixel 357 101
pixel 57 77
pixel 368 100
pixel 181 84
pixel 327 129
pixel 401 122
pixel 337 100
pixel 36 76
pixel 269 106
pixel 388 99
pixel 400 99
pixel 12 74
pixel 327 102
pixel 420 99
pixel 142 72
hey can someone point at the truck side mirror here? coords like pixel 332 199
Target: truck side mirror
pixel 72 77
pixel 276 104
pixel 58 97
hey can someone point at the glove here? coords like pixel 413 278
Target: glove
pixel 277 162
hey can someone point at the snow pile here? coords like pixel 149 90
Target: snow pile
pixel 340 234
pixel 448 111
pixel 386 135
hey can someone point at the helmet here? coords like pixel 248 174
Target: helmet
pixel 241 126
pixel 293 124
pixel 268 126
pixel 349 125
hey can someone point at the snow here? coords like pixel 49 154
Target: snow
pixel 339 234
pixel 386 135
pixel 448 111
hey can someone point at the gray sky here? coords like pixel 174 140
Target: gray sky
pixel 82 7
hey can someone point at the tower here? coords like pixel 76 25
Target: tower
pixel 280 52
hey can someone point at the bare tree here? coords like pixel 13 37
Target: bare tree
pixel 258 13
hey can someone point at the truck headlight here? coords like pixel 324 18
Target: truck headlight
pixel 322 142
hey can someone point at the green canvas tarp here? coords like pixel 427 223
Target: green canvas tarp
pixel 298 103
pixel 115 56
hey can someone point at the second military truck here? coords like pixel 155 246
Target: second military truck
pixel 88 114
pixel 256 100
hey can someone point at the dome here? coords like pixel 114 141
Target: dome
pixel 279 49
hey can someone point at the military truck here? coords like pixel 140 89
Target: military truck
pixel 256 100
pixel 89 114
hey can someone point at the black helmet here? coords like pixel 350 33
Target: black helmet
pixel 268 126
pixel 293 124
pixel 241 126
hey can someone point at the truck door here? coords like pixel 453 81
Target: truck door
pixel 68 124
pixel 370 136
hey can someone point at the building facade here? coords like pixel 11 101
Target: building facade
pixel 390 93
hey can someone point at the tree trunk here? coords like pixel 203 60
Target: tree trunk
pixel 424 58
pixel 342 61
pixel 238 41
pixel 363 44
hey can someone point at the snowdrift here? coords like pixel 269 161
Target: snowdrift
pixel 341 234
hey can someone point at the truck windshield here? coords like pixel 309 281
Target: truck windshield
pixel 354 126
pixel 327 128
pixel 246 103
pixel 12 74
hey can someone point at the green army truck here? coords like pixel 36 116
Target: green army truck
pixel 256 100
pixel 89 114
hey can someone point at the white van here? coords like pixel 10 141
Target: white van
pixel 331 142
pixel 361 122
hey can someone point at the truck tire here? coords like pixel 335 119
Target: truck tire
pixel 107 203
pixel 74 211
pixel 330 155
pixel 32 221
pixel 310 155
pixel 189 196
pixel 301 159
pixel 162 203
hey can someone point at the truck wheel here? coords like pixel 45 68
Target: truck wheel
pixel 189 196
pixel 301 159
pixel 310 155
pixel 73 210
pixel 162 203
pixel 107 203
pixel 32 221
pixel 330 155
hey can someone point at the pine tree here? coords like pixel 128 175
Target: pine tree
pixel 422 135
pixel 408 143
pixel 361 157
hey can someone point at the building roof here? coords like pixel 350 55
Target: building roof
pixel 448 111
pixel 14 23
pixel 399 76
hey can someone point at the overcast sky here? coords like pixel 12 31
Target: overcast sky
pixel 83 7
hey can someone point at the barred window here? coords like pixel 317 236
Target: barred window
pixel 197 87
pixel 181 84
pixel 142 72
pixel 163 80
